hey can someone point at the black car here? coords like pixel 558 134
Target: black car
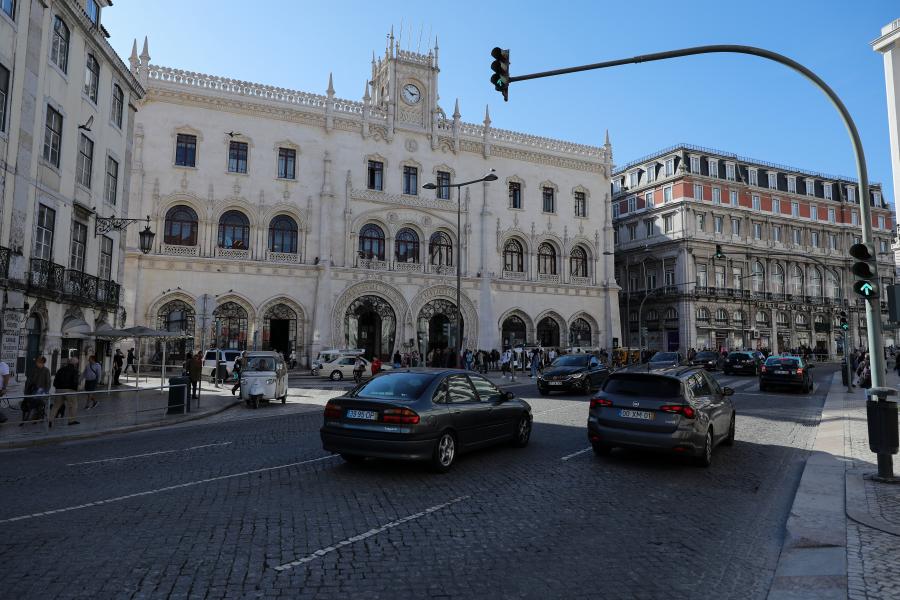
pixel 573 372
pixel 742 362
pixel 707 359
pixel 664 360
pixel 788 371
pixel 423 414
pixel 681 410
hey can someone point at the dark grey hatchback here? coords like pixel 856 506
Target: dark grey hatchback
pixel 423 414
pixel 680 409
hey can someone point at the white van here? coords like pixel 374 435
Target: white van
pixel 329 356
pixel 225 356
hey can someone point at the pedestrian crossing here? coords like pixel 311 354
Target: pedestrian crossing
pixel 746 383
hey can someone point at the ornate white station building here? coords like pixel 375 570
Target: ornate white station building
pixel 305 217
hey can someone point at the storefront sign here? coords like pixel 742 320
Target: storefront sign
pixel 9 343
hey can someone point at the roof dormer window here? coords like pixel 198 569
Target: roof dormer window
pixel 633 179
pixel 729 171
pixel 754 176
pixel 695 165
pixel 810 187
pixel 93 11
pixel 713 167
pixel 773 181
pixel 792 184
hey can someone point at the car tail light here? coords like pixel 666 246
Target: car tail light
pixel 399 415
pixel 762 369
pixel 800 371
pixel 600 401
pixel 333 410
pixel 681 409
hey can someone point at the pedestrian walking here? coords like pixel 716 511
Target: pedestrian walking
pixel 130 362
pixel 398 360
pixel 293 359
pixel 376 366
pixel 469 358
pixel 236 372
pixel 36 386
pixel 359 366
pixel 118 362
pixel 195 372
pixel 66 380
pixel 504 363
pixel 535 361
pixel 91 378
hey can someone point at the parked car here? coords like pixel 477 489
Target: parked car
pixel 423 414
pixel 572 372
pixel 742 362
pixel 662 360
pixel 679 409
pixel 707 359
pixel 264 377
pixel 329 356
pixel 226 357
pixel 342 368
pixel 787 371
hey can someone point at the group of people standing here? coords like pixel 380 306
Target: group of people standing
pixel 66 382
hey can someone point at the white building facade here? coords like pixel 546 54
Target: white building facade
pixel 888 44
pixel 304 216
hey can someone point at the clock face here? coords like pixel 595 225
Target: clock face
pixel 411 93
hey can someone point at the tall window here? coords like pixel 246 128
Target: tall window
pixel 546 259
pixel 186 150
pixel 440 249
pixel 792 184
pixel 667 194
pixel 773 181
pixel 778 279
pixel 118 105
pixel 376 175
pixel 52 136
pixel 93 11
pixel 78 246
pixel 283 235
pixel 371 242
pixel 648 200
pixel 549 200
pixel 795 209
pixel 796 236
pixel 287 162
pixel 827 191
pixel 698 191
pixel 578 266
pixel 237 157
pixel 59 48
pixel 111 185
pixel 695 164
pixel 515 194
pixel 701 222
pixel 181 226
pixel 754 201
pixel 104 270
pixel 831 215
pixel 92 78
pixel 4 94
pixel 701 276
pixel 851 194
pixel 717 224
pixel 796 281
pixel 632 204
pixel 85 163
pixel 670 167
pixel 854 217
pixel 43 235
pixel 713 166
pixel 410 180
pixel 443 185
pixel 813 212
pixel 776 233
pixel 757 280
pixel 776 206
pixel 234 230
pixel 406 246
pixel 668 223
pixel 716 195
pixel 651 173
pixel 815 282
pixel 757 231
pixel 729 171
pixel 733 197
pixel 513 257
pixel 754 177
pixel 580 204
pixel 9 7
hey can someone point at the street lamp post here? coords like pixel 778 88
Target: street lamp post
pixel 490 176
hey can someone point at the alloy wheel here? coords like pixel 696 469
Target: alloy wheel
pixel 523 431
pixel 446 450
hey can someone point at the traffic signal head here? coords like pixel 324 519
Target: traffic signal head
pixel 843 321
pixel 500 67
pixel 719 253
pixel 864 269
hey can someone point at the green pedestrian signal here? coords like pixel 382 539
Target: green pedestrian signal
pixel 865 289
pixel 843 321
pixel 500 67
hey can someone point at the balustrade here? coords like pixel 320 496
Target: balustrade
pixel 408 267
pixel 517 275
pixel 233 253
pixel 174 250
pixel 580 280
pixel 548 277
pixel 283 257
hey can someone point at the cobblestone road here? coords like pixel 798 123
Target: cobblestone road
pixel 253 508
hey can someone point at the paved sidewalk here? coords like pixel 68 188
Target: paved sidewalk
pixel 843 534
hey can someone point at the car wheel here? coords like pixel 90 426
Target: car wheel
pixel 601 449
pixel 544 392
pixel 729 440
pixel 705 458
pixel 587 388
pixel 336 375
pixel 255 402
pixel 523 432
pixel 353 459
pixel 444 453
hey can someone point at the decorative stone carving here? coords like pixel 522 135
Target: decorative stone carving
pixel 411 145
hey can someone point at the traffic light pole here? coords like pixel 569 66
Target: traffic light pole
pixel 873 312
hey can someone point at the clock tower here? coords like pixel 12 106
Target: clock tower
pixel 404 86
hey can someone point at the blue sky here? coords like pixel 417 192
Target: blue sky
pixel 740 104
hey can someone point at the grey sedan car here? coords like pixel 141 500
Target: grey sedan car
pixel 424 414
pixel 681 410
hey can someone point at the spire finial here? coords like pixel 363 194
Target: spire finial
pixel 133 59
pixel 456 114
pixel 145 53
pixel 606 143
pixel 487 115
pixel 330 90
pixel 366 96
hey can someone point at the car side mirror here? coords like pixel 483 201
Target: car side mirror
pixel 507 396
pixel 727 391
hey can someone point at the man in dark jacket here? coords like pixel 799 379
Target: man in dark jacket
pixel 195 371
pixel 66 380
pixel 118 361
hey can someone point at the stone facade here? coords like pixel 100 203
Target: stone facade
pixel 888 44
pixel 311 205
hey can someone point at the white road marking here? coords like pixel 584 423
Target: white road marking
pixel 544 412
pixel 91 462
pixel 567 457
pixel 163 489
pixel 358 538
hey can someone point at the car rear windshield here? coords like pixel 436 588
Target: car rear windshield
pixel 739 355
pixel 395 386
pixel 783 361
pixel 707 355
pixel 571 360
pixel 664 357
pixel 639 384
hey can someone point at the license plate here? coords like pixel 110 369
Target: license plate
pixel 781 372
pixel 556 383
pixel 368 415
pixel 636 414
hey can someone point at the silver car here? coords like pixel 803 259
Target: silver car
pixel 681 410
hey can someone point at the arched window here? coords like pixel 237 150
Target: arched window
pixel 834 285
pixel 406 246
pixel 632 317
pixel 59 49
pixel 234 230
pixel 578 264
pixel 762 318
pixel 177 316
pixel 703 314
pixel 758 277
pixel 796 281
pixel 778 279
pixel 181 226
pixel 371 242
pixel 652 315
pixel 513 257
pixel 230 326
pixel 782 319
pixel 283 235
pixel 721 315
pixel 546 259
pixel 801 320
pixel 580 333
pixel 671 314
pixel 738 316
pixel 815 282
pixel 440 249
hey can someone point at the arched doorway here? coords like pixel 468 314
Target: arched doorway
pixel 437 327
pixel 280 329
pixel 34 328
pixel 370 324
pixel 548 333
pixel 580 333
pixel 177 316
pixel 513 332
pixel 231 326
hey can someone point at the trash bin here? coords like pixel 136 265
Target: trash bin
pixel 883 431
pixel 179 395
pixel 844 376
